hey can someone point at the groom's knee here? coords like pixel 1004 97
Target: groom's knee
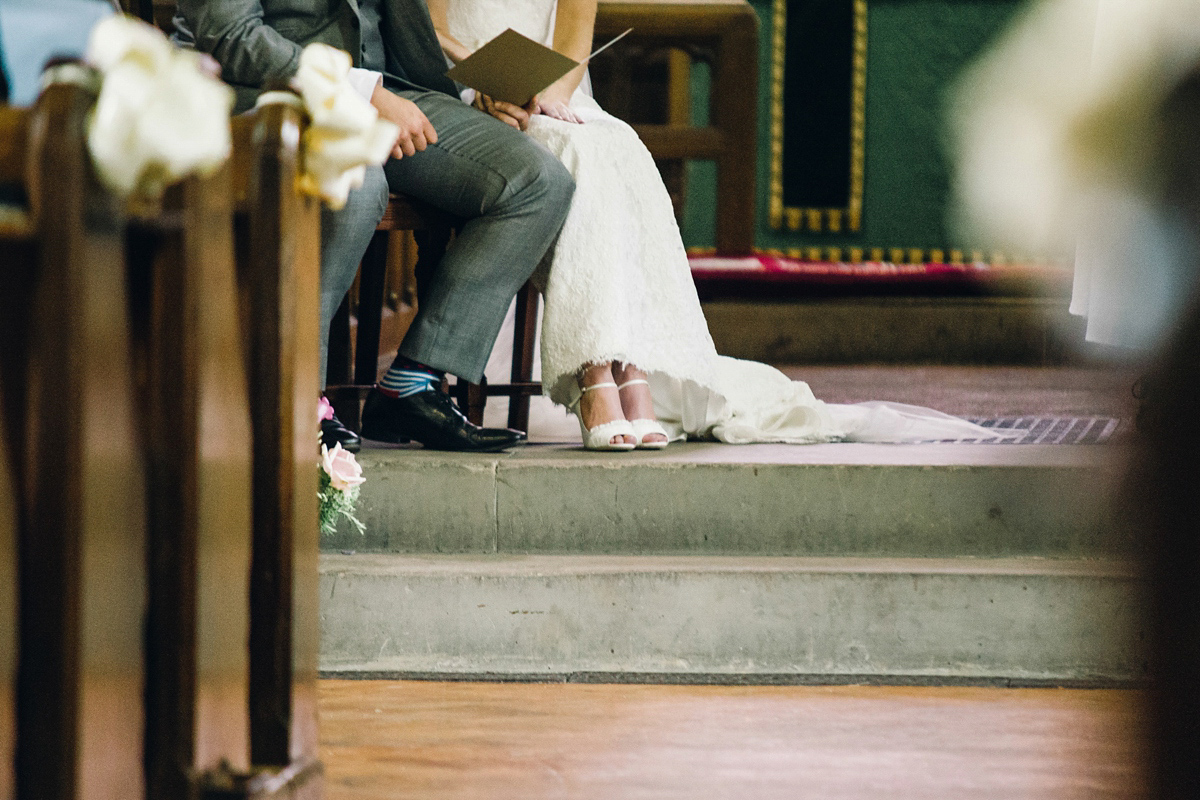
pixel 365 205
pixel 345 233
pixel 543 179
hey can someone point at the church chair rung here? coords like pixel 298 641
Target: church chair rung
pixel 518 390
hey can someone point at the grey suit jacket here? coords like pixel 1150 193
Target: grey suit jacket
pixel 258 42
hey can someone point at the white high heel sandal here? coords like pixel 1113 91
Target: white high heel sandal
pixel 645 427
pixel 601 436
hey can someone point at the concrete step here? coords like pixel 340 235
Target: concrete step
pixel 911 330
pixel 928 501
pixel 710 618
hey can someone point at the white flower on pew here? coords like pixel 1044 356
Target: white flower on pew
pixel 160 116
pixel 339 480
pixel 346 133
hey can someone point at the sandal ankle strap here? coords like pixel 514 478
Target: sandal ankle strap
pixel 608 385
pixel 633 382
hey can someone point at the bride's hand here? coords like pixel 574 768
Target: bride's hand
pixel 559 110
pixel 509 114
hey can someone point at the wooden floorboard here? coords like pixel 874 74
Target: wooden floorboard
pixel 403 739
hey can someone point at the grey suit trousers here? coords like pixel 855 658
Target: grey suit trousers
pixel 513 196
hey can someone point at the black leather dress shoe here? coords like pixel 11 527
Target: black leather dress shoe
pixel 334 432
pixel 432 419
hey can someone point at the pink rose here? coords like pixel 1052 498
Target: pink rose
pixel 344 472
pixel 324 410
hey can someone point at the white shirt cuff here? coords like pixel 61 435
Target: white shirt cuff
pixel 467 95
pixel 364 81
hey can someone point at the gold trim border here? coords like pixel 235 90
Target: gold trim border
pixel 819 220
pixel 892 255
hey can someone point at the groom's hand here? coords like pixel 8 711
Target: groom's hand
pixel 508 113
pixel 416 132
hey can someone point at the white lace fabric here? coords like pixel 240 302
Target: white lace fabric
pixel 617 287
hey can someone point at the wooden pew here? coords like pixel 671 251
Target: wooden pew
pixel 12 127
pixel 232 511
pixel 278 271
pixel 277 252
pixel 75 458
pixel 8 616
pixel 118 425
pixel 196 422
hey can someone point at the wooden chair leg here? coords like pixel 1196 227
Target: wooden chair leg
pixel 337 366
pixel 476 401
pixel 431 246
pixel 471 398
pixel 524 340
pixel 372 280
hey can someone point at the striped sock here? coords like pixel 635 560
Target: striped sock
pixel 405 380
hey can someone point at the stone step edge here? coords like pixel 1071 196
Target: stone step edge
pixel 509 565
pixel 710 455
pixel 370 590
pixel 373 673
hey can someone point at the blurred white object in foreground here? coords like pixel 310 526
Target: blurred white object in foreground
pixel 346 133
pixel 159 116
pixel 1057 138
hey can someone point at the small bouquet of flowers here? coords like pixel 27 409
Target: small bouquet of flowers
pixel 338 480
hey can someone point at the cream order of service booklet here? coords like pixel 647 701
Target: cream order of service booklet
pixel 514 68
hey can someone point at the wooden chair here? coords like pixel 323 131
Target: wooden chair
pixel 75 459
pixel 725 34
pixel 435 228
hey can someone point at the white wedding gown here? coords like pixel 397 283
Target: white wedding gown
pixel 618 288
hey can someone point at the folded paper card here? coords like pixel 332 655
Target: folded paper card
pixel 514 68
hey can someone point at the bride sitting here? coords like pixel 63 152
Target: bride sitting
pixel 624 342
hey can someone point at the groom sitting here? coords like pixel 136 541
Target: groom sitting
pixel 512 193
